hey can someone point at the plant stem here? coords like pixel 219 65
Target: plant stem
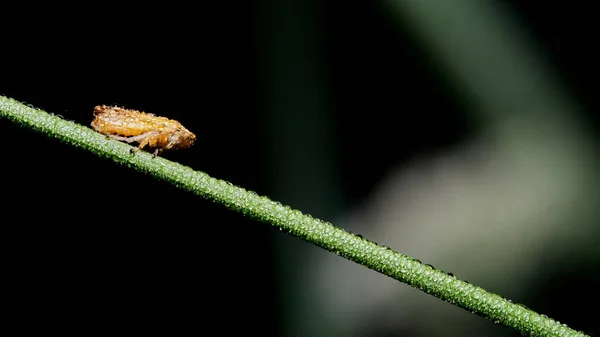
pixel 294 222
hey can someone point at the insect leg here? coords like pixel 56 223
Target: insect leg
pixel 129 139
pixel 172 142
pixel 148 138
pixel 143 139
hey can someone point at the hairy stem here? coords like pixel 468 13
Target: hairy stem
pixel 318 232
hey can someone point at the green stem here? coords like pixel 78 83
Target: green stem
pixel 294 222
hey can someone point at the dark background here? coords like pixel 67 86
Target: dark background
pixel 98 244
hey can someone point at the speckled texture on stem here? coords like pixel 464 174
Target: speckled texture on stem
pixel 294 222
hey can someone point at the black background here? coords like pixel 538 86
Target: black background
pixel 92 242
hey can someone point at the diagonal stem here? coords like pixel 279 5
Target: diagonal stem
pixel 318 232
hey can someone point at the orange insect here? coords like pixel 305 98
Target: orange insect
pixel 146 129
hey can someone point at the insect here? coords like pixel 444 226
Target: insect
pixel 159 133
